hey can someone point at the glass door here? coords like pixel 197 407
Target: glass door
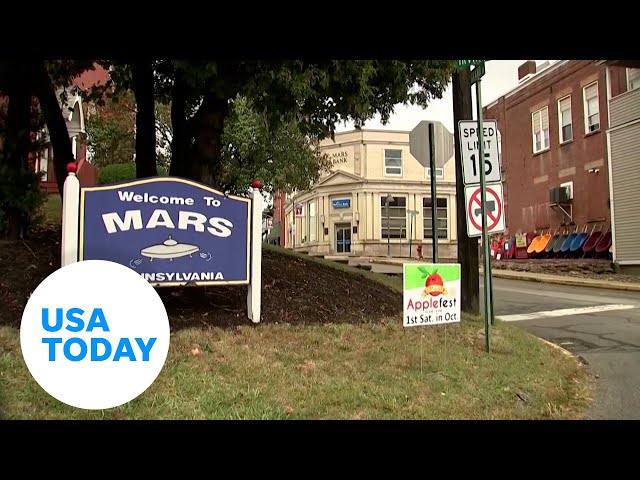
pixel 343 238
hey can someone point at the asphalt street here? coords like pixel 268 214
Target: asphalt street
pixel 602 326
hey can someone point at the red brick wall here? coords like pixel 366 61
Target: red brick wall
pixel 529 176
pixel 279 199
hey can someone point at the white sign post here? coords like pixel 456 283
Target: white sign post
pixel 254 293
pixel 494 207
pixel 471 152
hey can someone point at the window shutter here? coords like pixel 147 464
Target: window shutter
pixel 545 119
pixel 565 104
pixel 591 91
pixel 536 122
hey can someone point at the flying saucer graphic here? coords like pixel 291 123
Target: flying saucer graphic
pixel 169 249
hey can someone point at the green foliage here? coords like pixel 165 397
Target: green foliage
pixel 286 101
pixel 281 157
pixel 20 192
pixel 121 172
pixel 163 135
pixel 110 132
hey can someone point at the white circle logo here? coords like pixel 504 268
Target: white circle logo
pixel 94 334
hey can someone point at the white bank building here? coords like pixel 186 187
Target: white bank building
pixel 377 197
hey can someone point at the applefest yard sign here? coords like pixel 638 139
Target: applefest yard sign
pixel 431 293
pixel 170 230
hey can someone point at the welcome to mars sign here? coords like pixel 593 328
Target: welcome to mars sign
pixel 170 230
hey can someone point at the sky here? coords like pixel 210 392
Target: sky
pixel 500 77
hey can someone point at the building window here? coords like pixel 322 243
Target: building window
pixel 564 119
pixel 540 128
pixel 393 163
pixel 633 78
pixel 395 226
pixel 442 218
pixel 439 172
pixel 313 225
pixel 591 108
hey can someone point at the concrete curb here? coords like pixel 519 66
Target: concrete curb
pixel 564 351
pixel 557 279
pixel 575 282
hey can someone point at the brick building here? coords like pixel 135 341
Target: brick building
pixel 279 205
pixel 554 149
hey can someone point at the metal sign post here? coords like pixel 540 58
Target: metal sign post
pixel 476 77
pixel 412 217
pixel 434 199
pixel 485 239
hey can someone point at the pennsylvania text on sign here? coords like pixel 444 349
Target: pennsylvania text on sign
pixel 170 230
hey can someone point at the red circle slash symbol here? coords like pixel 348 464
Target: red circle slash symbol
pixel 493 217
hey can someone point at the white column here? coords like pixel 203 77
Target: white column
pixel 255 286
pixel 70 217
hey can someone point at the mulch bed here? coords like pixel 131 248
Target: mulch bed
pixel 294 290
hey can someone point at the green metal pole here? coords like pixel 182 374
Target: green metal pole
pixel 434 196
pixel 485 240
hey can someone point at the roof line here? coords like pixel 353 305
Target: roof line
pixel 542 73
pixel 382 130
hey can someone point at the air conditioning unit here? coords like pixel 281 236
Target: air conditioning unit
pixel 563 194
pixel 554 195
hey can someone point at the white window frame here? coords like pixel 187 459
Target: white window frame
pixel 439 172
pixel 634 83
pixel 587 131
pixel 384 160
pixel 313 223
pixel 544 141
pixel 569 186
pixel 560 126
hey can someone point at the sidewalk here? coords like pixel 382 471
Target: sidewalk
pixel 564 280
pixel 516 275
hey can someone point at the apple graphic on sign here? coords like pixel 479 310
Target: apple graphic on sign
pixel 434 279
pixel 434 285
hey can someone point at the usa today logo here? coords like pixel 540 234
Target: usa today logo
pixel 94 334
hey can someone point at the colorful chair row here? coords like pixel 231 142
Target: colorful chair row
pixel 560 244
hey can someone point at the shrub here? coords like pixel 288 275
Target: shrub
pixel 121 172
pixel 20 192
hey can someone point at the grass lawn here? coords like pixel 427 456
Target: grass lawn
pixel 52 210
pixel 377 371
pixel 373 369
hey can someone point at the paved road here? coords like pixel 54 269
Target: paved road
pixel 602 326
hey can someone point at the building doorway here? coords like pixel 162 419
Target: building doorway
pixel 343 238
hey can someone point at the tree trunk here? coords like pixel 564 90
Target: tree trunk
pixel 58 133
pixel 143 89
pixel 179 141
pixel 17 140
pixel 205 160
pixel 467 247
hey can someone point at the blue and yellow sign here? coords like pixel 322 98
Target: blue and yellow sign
pixel 170 230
